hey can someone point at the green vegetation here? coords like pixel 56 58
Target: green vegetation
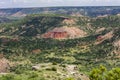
pixel 109 21
pixel 69 79
pixel 32 25
pixel 26 76
pixel 34 58
pixel 103 74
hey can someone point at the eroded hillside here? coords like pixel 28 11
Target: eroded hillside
pixel 58 47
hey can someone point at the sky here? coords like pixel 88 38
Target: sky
pixel 52 3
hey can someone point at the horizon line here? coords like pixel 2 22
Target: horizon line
pixel 57 6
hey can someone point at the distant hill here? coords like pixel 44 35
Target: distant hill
pixel 38 24
pixel 85 11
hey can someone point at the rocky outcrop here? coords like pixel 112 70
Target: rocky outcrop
pixel 100 30
pixel 35 68
pixel 102 38
pixel 4 65
pixel 64 33
pixel 69 21
pixel 36 51
pixel 73 70
pixel 116 45
pixel 19 14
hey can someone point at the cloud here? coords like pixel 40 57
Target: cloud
pixel 43 3
pixel 20 1
pixel 2 2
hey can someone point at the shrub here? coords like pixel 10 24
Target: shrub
pixel 7 77
pixel 102 73
pixel 70 78
pixel 54 69
pixel 19 69
pixel 54 63
pixel 33 75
